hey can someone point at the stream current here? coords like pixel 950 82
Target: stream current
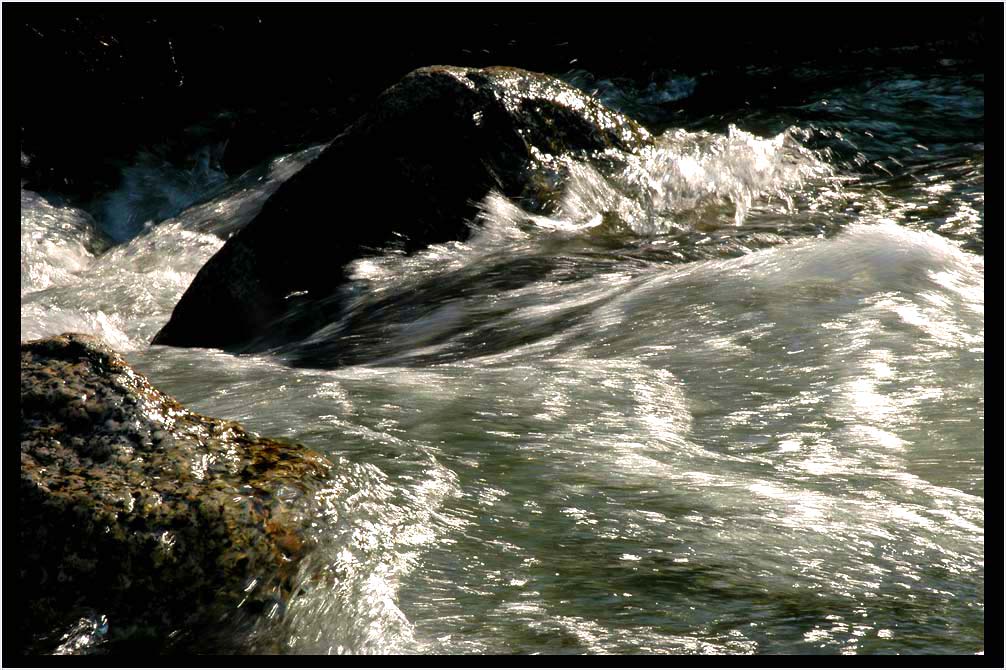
pixel 729 398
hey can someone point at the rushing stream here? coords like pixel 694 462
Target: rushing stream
pixel 728 399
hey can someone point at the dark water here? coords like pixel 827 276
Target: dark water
pixel 728 399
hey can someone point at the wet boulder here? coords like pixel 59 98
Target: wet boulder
pixel 408 173
pixel 176 531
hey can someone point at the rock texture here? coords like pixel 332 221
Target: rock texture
pixel 178 528
pixel 409 172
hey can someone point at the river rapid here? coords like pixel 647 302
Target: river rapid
pixel 729 398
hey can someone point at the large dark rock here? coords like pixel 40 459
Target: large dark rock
pixel 409 172
pixel 178 529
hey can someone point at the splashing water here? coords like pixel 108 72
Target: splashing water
pixel 668 186
pixel 56 242
pixel 728 397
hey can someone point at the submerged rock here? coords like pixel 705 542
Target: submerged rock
pixel 409 172
pixel 177 529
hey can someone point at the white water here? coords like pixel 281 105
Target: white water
pixel 702 408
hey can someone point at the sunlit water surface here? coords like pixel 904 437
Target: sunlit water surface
pixel 728 399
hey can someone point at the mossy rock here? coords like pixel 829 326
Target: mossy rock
pixel 182 530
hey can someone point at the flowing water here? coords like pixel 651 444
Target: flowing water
pixel 729 398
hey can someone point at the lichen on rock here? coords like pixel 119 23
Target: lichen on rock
pixel 180 529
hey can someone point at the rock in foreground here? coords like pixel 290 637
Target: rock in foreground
pixel 178 528
pixel 409 172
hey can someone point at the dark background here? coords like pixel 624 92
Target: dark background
pixel 93 84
